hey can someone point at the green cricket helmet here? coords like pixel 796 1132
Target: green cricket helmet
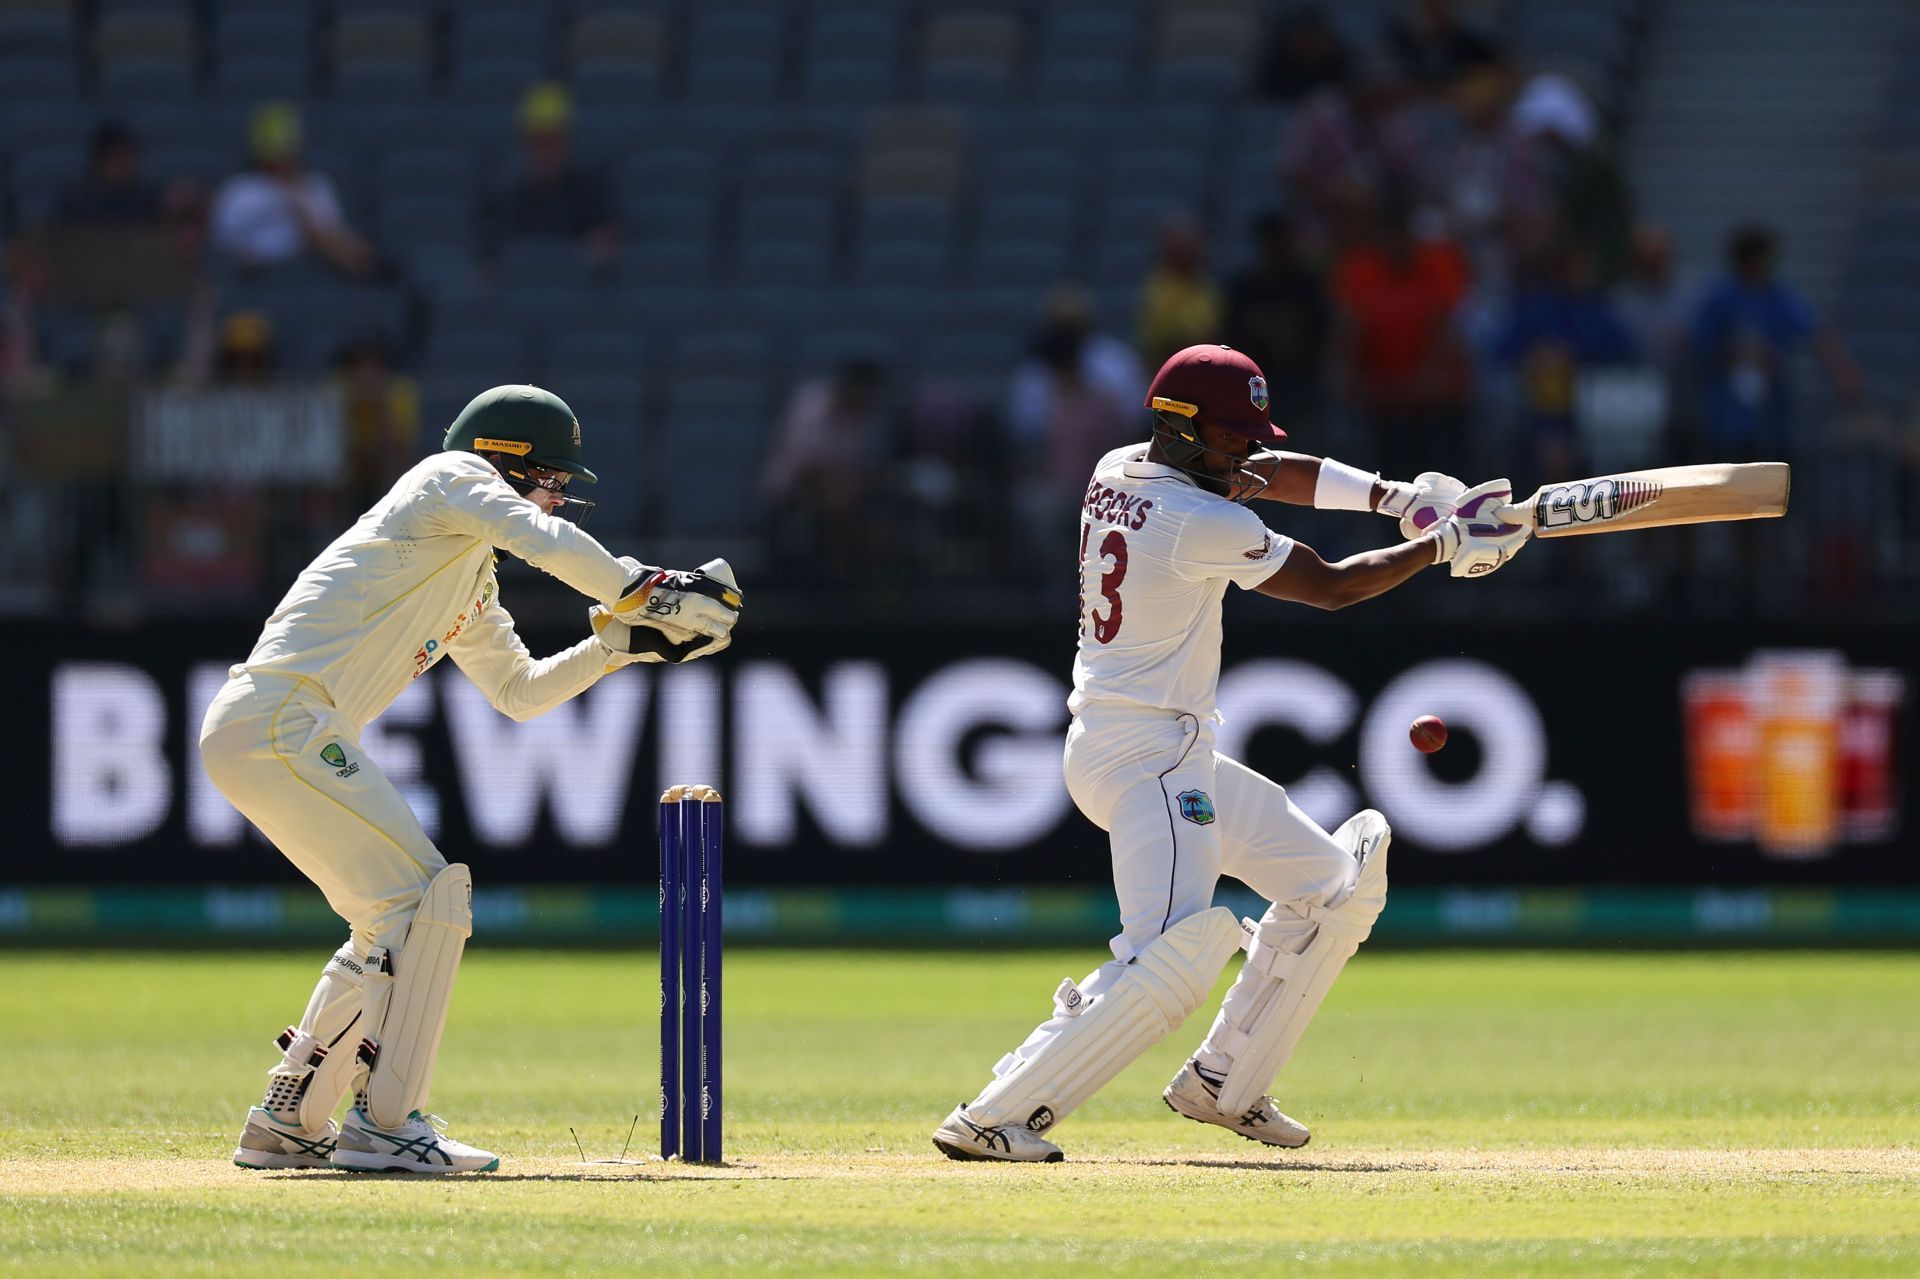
pixel 523 426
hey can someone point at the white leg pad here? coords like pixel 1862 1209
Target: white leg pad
pixel 408 991
pixel 1297 953
pixel 1143 1001
pixel 321 1054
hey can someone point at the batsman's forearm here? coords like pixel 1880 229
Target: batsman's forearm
pixel 1294 478
pixel 1290 478
pixel 1371 573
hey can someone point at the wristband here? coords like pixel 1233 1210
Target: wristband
pixel 1343 488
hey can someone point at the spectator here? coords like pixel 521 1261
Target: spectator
pixel 1434 46
pixel 381 409
pixel 1108 366
pixel 21 283
pixel 1180 304
pixel 1559 326
pixel 279 210
pixel 1080 423
pixel 1493 197
pixel 553 198
pixel 1655 298
pixel 1746 331
pixel 1580 167
pixel 1277 312
pixel 1344 151
pixel 1303 55
pixel 951 489
pixel 246 353
pixel 1400 359
pixel 113 189
pixel 822 472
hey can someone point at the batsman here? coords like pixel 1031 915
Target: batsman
pixel 410 583
pixel 1164 530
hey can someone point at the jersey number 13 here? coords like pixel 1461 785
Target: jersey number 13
pixel 1105 626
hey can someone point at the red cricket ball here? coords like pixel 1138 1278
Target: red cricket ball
pixel 1428 734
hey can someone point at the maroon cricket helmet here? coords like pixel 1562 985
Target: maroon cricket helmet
pixel 1215 384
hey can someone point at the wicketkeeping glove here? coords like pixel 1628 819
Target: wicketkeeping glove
pixel 703 602
pixel 627 643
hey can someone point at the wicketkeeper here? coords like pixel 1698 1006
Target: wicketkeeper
pixel 411 582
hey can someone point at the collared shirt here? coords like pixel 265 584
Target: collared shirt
pixel 413 581
pixel 1156 555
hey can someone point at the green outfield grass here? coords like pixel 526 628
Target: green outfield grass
pixel 1474 1114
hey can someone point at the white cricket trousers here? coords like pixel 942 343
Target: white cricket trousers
pixel 343 824
pixel 1179 815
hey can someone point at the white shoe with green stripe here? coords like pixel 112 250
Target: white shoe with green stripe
pixel 267 1142
pixel 419 1145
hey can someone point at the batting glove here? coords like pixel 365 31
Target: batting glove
pixel 1420 505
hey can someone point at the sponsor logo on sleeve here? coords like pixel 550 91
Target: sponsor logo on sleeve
pixel 431 651
pixel 1262 551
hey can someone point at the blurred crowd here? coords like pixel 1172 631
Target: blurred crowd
pixel 1449 273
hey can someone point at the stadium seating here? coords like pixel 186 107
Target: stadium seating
pixel 825 165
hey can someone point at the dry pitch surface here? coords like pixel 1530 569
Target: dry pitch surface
pixel 1474 1115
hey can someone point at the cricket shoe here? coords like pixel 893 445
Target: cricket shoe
pixel 1194 1095
pixel 419 1145
pixel 960 1138
pixel 267 1143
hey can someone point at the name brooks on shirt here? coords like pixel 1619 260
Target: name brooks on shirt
pixel 429 652
pixel 1114 507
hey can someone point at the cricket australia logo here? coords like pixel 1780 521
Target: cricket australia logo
pixel 1196 806
pixel 337 760
pixel 1257 392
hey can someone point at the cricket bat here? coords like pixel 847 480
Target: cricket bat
pixel 1654 498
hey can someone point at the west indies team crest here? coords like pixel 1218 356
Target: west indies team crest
pixel 1257 392
pixel 1196 806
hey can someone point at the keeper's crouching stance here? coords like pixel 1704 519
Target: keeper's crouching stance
pixel 411 582
pixel 1163 533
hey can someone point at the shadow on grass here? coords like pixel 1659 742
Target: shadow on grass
pixel 1282 1166
pixel 636 1171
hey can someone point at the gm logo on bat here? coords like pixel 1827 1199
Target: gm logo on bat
pixel 1593 502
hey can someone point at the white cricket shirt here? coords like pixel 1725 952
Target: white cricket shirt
pixel 412 581
pixel 1156 554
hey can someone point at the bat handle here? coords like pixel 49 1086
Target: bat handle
pixel 1517 512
